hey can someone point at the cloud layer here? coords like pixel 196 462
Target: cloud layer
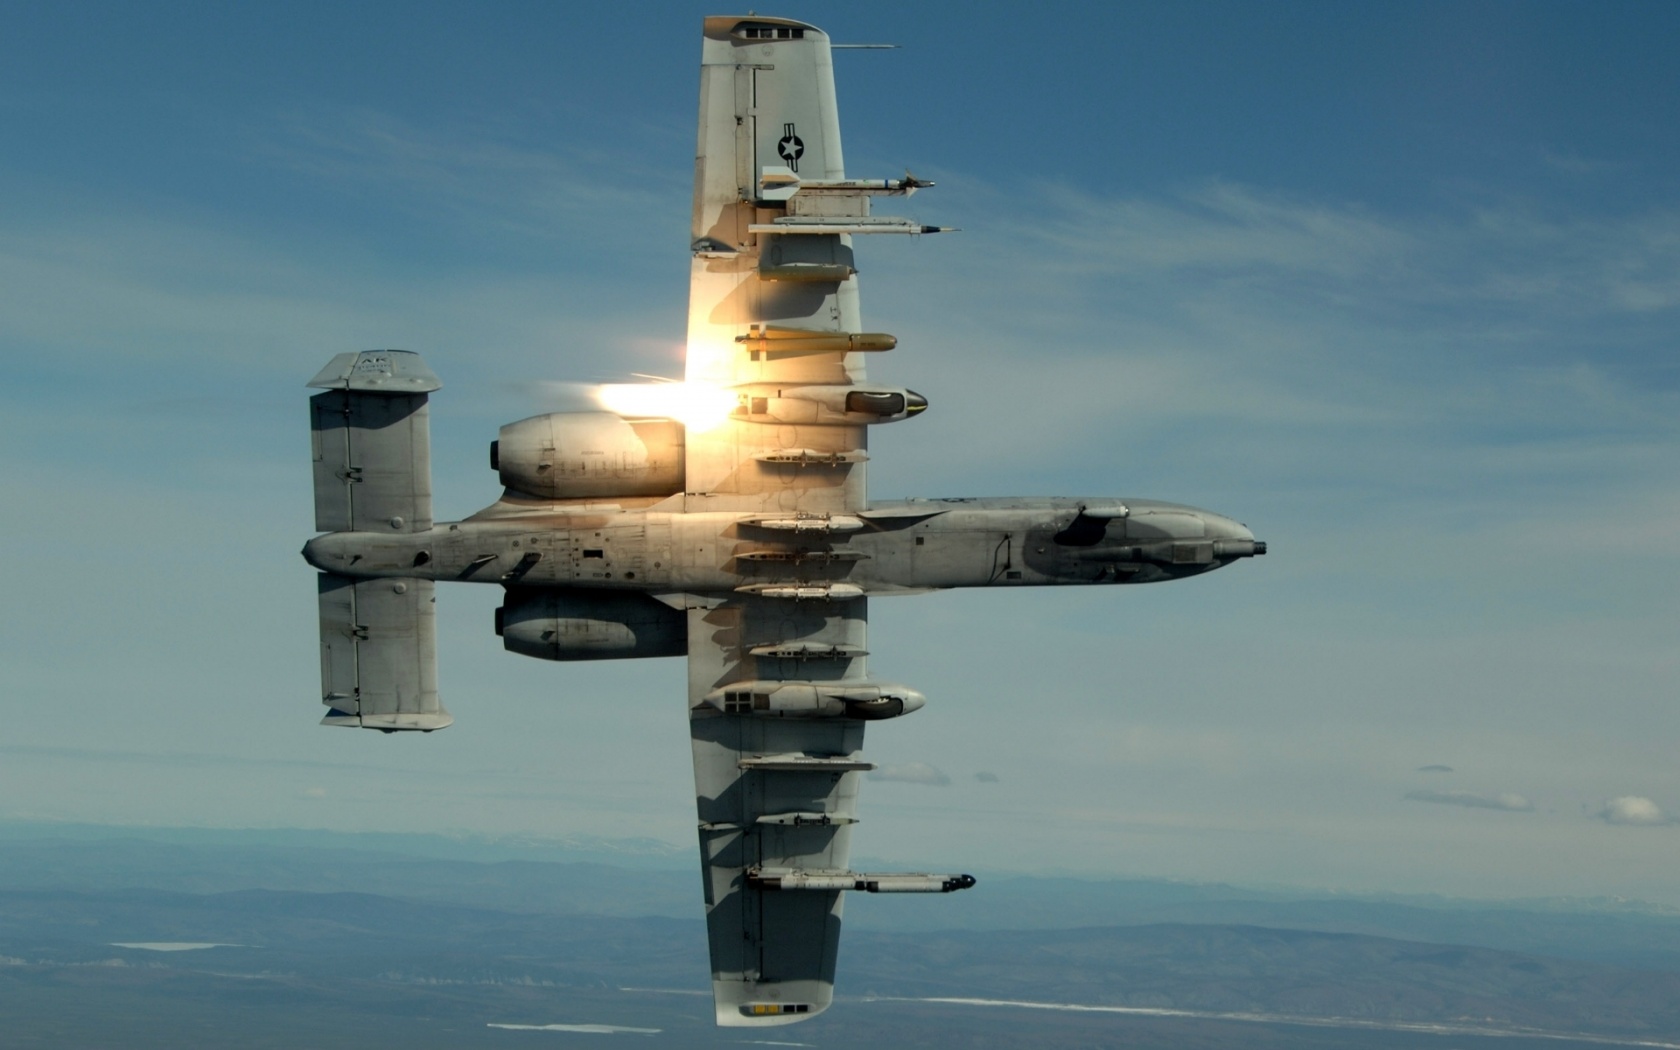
pixel 912 773
pixel 1633 809
pixel 1507 800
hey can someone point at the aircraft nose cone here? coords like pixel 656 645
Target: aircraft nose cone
pixel 914 403
pixel 1219 527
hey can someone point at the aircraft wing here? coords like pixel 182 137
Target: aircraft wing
pixel 760 305
pixel 774 317
pixel 775 795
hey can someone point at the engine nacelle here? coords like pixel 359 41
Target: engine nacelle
pixel 578 624
pixel 590 455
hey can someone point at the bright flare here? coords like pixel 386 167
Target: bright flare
pixel 697 406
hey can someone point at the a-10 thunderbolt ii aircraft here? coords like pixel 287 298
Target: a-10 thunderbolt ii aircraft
pixel 750 545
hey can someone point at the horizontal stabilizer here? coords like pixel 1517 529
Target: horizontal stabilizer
pixel 379 654
pixel 371 443
pixel 378 372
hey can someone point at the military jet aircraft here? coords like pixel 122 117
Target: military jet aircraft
pixel 746 542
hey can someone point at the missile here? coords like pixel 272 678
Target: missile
pixel 811 523
pixel 905 882
pixel 806 271
pixel 804 592
pixel 775 339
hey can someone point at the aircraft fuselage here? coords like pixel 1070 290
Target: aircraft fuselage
pixel 905 547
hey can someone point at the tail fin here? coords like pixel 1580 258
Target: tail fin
pixel 372 452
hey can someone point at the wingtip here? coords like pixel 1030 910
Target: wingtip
pixel 745 1005
pixel 741 1016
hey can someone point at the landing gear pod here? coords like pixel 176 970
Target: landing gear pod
pixel 577 624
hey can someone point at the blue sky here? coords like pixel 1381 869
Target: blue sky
pixel 1397 285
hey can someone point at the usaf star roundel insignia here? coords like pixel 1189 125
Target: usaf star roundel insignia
pixel 790 148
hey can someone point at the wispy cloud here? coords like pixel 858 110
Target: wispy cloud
pixel 1578 165
pixel 585 1029
pixel 1508 801
pixel 174 946
pixel 912 773
pixel 1219 227
pixel 1633 810
pixel 1479 348
pixel 479 176
pixel 1225 237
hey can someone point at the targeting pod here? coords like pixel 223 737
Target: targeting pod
pixel 818 404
